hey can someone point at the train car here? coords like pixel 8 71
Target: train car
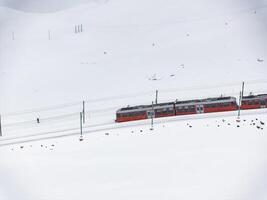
pixel 208 105
pixel 132 113
pixel 145 112
pixel 254 102
pixel 190 107
pixel 220 104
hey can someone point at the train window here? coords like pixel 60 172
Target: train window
pixel 250 103
pixel 212 105
pixel 164 111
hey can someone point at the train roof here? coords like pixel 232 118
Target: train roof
pixel 206 101
pixel 178 103
pixel 259 96
pixel 168 104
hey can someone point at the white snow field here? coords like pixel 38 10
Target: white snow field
pixel 126 51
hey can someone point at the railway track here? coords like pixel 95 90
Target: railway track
pixel 108 126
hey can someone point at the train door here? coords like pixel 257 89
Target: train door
pixel 263 103
pixel 199 109
pixel 150 114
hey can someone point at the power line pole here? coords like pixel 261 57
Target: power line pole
pixel 152 117
pixel 49 35
pixel 83 111
pixel 241 94
pixel 243 87
pixel 156 96
pixel 81 127
pixel 13 35
pixel 1 127
pixel 239 106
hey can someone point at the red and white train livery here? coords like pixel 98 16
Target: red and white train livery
pixel 189 107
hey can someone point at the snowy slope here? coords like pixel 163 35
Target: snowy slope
pixel 43 6
pixel 214 159
pixel 127 51
pixel 200 43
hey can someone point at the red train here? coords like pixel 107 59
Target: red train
pixel 189 107
pixel 254 102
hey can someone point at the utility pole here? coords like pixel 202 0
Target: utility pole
pixel 152 117
pixel 49 35
pixel 156 96
pixel 240 99
pixel 13 35
pixel 84 112
pixel 81 28
pixel 239 106
pixel 81 127
pixel 243 86
pixel 1 127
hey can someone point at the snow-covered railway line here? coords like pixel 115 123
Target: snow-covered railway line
pixel 110 125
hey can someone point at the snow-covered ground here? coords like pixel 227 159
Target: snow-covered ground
pixel 128 50
pixel 196 159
